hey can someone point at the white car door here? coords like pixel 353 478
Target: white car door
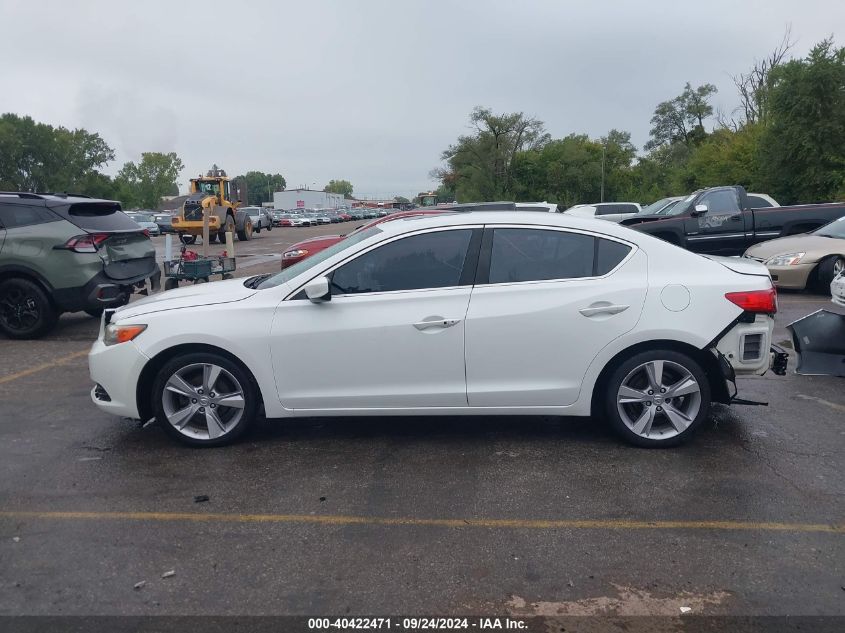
pixel 392 334
pixel 544 306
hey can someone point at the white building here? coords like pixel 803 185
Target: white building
pixel 306 199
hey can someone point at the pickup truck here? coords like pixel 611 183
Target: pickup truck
pixel 721 221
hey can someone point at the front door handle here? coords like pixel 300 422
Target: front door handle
pixel 435 322
pixel 607 308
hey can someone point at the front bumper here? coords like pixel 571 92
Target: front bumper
pixel 115 369
pixel 791 277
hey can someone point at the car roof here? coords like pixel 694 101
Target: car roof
pixel 518 218
pixel 51 199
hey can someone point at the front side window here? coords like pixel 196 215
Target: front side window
pixel 721 201
pixel 430 260
pixel 540 254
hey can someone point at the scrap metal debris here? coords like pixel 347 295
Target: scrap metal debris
pixel 169 574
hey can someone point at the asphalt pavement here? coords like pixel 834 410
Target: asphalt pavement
pixel 513 515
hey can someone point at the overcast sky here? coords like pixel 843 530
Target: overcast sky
pixel 371 90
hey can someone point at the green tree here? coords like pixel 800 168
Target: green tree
pixel 802 146
pixel 39 157
pixel 681 120
pixel 480 164
pixel 260 186
pixel 144 184
pixel 339 186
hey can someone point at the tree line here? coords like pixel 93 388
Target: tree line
pixel 38 157
pixel 786 138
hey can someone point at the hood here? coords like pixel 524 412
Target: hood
pixel 816 247
pixel 740 265
pixel 188 297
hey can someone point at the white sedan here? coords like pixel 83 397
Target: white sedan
pixel 457 314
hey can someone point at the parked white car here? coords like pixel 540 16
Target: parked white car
pixel 613 211
pixel 837 289
pixel 261 218
pixel 482 313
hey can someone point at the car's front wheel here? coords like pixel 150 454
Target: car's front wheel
pixel 657 398
pixel 204 399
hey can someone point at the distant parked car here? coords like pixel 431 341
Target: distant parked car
pixel 146 221
pixel 661 207
pixel 803 261
pixel 760 201
pixel 537 206
pixel 164 222
pixel 612 211
pixel 261 218
pixel 65 254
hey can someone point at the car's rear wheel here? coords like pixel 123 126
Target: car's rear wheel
pixel 204 399
pixel 658 398
pixel 25 309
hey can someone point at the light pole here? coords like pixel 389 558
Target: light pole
pixel 269 193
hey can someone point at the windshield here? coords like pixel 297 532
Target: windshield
pixel 212 187
pixel 140 217
pixel 834 229
pixel 300 267
pixel 681 206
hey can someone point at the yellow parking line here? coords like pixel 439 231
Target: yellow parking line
pixel 537 524
pixel 33 370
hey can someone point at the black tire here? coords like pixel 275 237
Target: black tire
pixel 827 270
pixel 95 312
pixel 675 360
pixel 188 239
pixel 213 237
pixel 251 399
pixel 245 234
pixel 26 311
pixel 170 283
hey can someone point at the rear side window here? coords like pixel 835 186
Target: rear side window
pixel 98 216
pixel 539 254
pixel 430 260
pixel 13 216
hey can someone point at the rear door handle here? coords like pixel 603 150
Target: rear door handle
pixel 435 322
pixel 603 309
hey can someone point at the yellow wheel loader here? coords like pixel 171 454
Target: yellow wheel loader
pixel 211 194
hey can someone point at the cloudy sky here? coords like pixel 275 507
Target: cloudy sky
pixel 371 90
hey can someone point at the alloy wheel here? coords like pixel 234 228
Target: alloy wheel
pixel 203 401
pixel 19 309
pixel 838 266
pixel 659 399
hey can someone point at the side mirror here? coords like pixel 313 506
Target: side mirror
pixel 700 209
pixel 317 290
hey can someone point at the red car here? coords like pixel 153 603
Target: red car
pixel 306 248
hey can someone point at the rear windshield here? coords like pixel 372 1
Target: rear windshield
pixel 97 216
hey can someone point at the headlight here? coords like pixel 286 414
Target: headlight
pixel 790 259
pixel 115 333
pixel 300 252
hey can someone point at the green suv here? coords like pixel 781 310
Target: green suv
pixel 67 253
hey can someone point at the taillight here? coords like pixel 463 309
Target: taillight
pixel 763 301
pixel 88 243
